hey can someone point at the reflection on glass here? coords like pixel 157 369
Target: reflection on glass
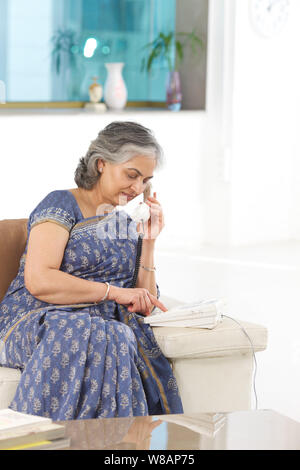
pixel 51 49
pixel 112 433
pixel 140 432
pixel 240 430
pixel 207 424
pixel 196 431
pixel 172 432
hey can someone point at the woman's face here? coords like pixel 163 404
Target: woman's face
pixel 121 183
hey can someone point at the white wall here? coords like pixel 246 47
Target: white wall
pixel 266 103
pixel 252 164
pixel 217 189
pixel 295 208
pixel 39 152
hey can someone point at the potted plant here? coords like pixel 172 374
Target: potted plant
pixel 64 45
pixel 66 63
pixel 170 48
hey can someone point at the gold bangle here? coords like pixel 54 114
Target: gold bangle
pixel 149 269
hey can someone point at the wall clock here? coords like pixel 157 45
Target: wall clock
pixel 269 17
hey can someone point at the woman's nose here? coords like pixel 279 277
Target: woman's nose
pixel 137 187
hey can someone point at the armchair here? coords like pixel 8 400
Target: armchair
pixel 213 368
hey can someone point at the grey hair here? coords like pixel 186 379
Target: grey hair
pixel 116 143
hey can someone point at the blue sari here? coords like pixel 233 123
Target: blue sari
pixel 85 360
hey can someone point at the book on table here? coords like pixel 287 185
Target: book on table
pixel 201 314
pixel 23 430
pixel 55 444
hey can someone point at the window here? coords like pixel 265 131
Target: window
pixel 51 49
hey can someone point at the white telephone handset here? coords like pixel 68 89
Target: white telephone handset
pixel 141 213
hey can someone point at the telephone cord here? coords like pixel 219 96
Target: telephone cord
pixel 253 353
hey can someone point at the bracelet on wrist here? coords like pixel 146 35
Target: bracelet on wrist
pixel 106 293
pixel 149 269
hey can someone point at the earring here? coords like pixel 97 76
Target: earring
pixel 100 170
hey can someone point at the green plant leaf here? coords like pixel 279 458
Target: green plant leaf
pixel 57 64
pixel 143 64
pixel 146 46
pixel 179 51
pixel 155 53
pixel 164 45
pixel 168 40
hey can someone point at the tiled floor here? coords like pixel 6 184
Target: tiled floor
pixel 262 285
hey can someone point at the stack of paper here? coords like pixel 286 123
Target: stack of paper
pixel 19 431
pixel 202 314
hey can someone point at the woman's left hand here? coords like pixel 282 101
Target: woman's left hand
pixel 156 223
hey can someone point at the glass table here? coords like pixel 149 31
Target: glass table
pixel 243 430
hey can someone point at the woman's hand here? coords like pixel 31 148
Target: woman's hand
pixel 137 299
pixel 140 432
pixel 156 223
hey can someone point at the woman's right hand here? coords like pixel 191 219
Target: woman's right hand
pixel 136 299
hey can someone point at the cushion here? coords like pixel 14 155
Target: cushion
pixel 9 379
pixel 227 338
pixel 13 235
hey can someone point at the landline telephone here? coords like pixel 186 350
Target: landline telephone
pixel 140 215
pixel 142 212
pixel 201 314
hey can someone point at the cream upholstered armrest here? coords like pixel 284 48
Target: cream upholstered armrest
pixel 214 367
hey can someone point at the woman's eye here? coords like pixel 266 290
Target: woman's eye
pixel 133 177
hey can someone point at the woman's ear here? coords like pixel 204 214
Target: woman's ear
pixel 100 165
pixel 147 191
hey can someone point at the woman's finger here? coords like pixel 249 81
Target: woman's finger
pixel 148 305
pixel 143 305
pixel 148 302
pixel 157 303
pixel 155 424
pixel 154 204
pixel 153 201
pixel 136 304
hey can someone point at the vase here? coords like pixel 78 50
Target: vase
pixel 115 91
pixel 95 91
pixel 174 95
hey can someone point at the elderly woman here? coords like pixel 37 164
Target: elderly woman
pixel 72 319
